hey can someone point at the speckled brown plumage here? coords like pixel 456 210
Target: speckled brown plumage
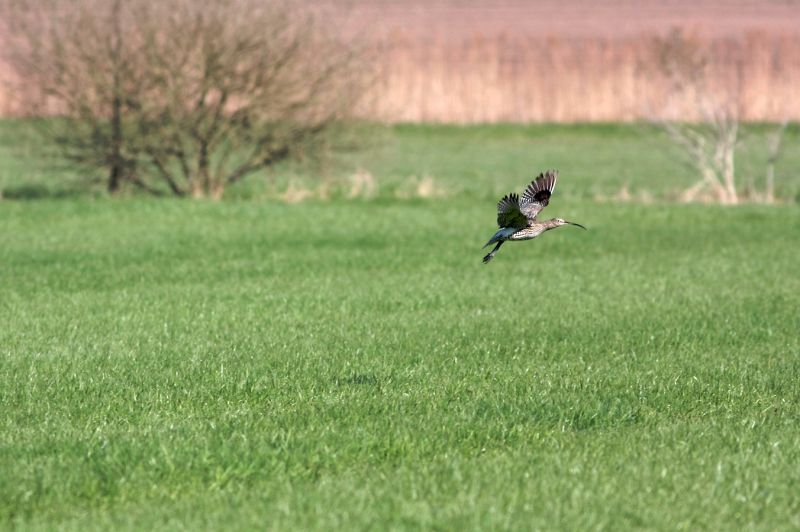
pixel 517 216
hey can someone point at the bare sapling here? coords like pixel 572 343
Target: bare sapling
pixel 700 115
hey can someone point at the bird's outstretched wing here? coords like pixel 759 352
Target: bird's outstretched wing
pixel 537 194
pixel 509 214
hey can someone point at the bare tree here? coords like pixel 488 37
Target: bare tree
pixel 701 115
pixel 180 96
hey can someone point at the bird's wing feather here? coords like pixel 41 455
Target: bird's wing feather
pixel 537 194
pixel 509 214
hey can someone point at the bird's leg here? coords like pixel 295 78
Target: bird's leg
pixel 491 254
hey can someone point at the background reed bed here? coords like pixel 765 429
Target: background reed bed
pixel 556 61
pixel 505 78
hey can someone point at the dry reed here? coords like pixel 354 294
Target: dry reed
pixel 529 79
pixel 504 78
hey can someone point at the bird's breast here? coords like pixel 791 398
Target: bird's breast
pixel 527 233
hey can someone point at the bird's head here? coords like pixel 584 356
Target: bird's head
pixel 561 221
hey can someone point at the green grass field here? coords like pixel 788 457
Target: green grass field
pixel 481 163
pixel 352 365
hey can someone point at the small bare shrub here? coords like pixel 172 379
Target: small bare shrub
pixel 362 185
pixel 296 193
pixel 420 187
pixel 699 113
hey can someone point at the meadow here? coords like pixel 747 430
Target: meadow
pixel 351 364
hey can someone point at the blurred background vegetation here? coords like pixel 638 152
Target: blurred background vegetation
pixel 303 100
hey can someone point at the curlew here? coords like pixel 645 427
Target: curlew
pixel 517 217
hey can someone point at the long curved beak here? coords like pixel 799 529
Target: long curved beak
pixel 579 225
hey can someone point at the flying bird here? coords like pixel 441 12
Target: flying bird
pixel 517 217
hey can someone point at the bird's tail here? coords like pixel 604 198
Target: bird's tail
pixel 501 235
pixel 492 253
